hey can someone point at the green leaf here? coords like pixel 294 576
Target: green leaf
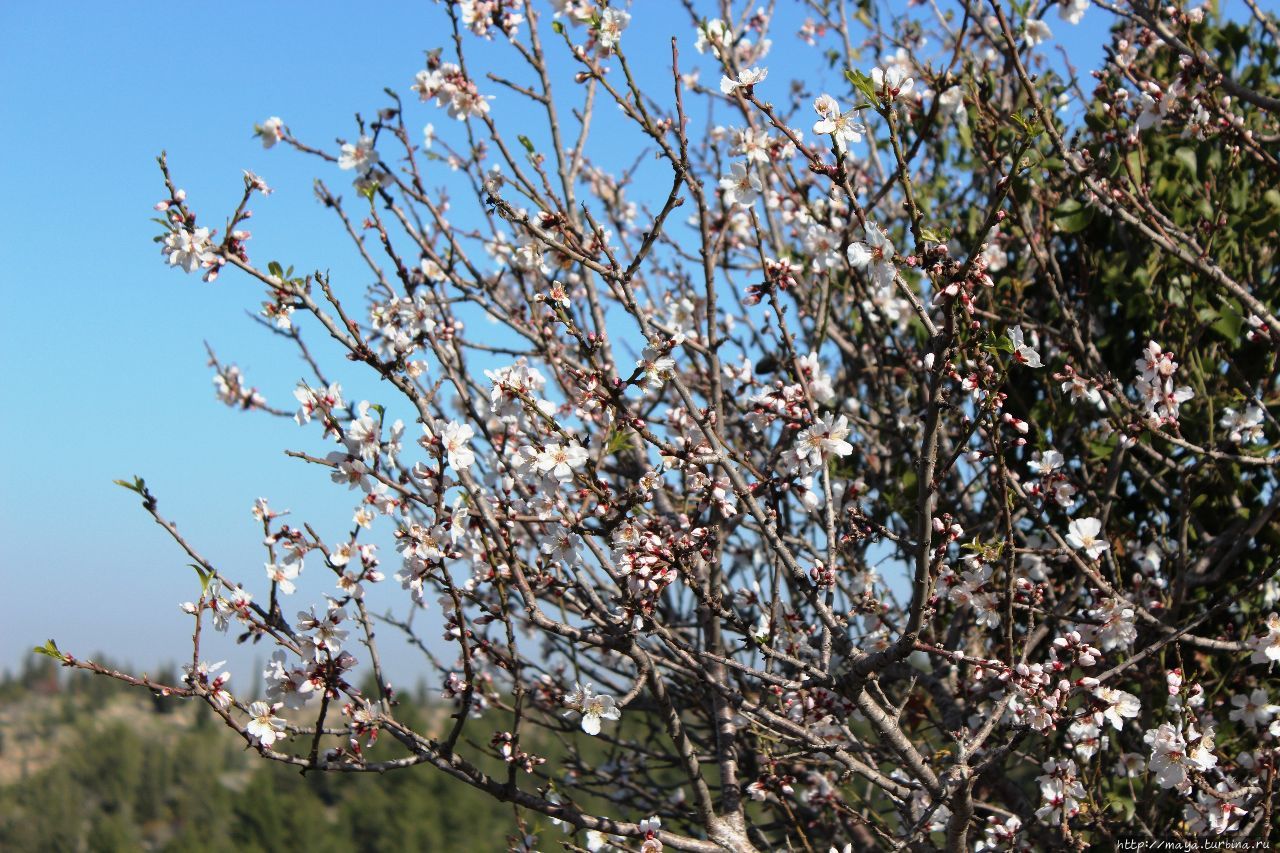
pixel 1030 127
pixel 275 269
pixel 1229 324
pixel 1187 157
pixel 1207 315
pixel 1002 344
pixel 138 485
pixel 1072 217
pixel 557 27
pixel 50 650
pixel 862 83
pixel 526 142
pixel 206 577
pixel 1123 804
pixel 619 440
pixel 1099 450
pixel 1133 162
pixel 909 480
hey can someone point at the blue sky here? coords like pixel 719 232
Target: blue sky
pixel 105 373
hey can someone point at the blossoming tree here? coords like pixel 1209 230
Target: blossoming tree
pixel 890 465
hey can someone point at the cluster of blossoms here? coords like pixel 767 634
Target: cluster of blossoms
pixel 190 249
pixel 740 49
pixel 449 87
pixel 230 388
pixel 1243 427
pixel 1176 754
pixel 483 16
pixel 213 686
pixel 1113 625
pixel 648 557
pixel 1054 481
pixel 604 22
pixel 1159 397
pixel 323 403
pixel 973 588
pixel 1062 792
pixel 403 326
pixel 842 505
pixel 1266 646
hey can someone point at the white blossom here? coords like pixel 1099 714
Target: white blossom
pixel 593 707
pixel 1023 353
pixel 745 80
pixel 1266 648
pixel 892 82
pixel 1253 709
pixel 1119 706
pixel 826 436
pixel 562 460
pixel 1084 534
pixel 1072 11
pixel 455 438
pixel 1243 427
pixel 877 253
pixel 271 131
pixel 189 250
pixel 265 727
pixel 841 127
pixel 657 367
pixel 1116 628
pixel 609 32
pixel 361 156
pixel 283 575
pixel 742 186
pixel 1036 31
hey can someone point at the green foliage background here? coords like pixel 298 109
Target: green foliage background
pixel 165 776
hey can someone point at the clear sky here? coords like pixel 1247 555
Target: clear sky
pixel 102 346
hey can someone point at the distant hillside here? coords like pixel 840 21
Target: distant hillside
pixel 88 765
